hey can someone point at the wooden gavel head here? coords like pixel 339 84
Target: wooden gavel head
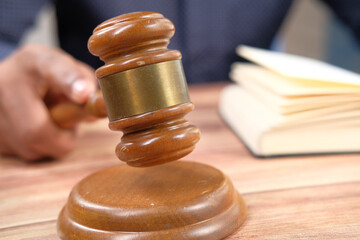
pixel 144 88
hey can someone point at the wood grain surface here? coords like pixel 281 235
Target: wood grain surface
pixel 305 197
pixel 178 200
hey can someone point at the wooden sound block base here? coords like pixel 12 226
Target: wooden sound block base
pixel 179 200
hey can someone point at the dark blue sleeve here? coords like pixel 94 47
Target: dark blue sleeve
pixel 15 17
pixel 349 12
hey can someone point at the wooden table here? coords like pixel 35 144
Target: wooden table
pixel 313 197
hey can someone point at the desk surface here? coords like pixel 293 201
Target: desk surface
pixel 312 197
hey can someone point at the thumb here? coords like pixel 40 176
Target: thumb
pixel 65 74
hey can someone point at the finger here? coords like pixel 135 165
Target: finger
pixel 13 146
pixel 54 96
pixel 33 133
pixel 88 71
pixel 5 147
pixel 9 106
pixel 61 71
pixel 42 136
pixel 49 140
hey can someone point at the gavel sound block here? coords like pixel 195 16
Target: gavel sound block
pixel 146 97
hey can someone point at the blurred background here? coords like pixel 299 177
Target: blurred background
pixel 310 30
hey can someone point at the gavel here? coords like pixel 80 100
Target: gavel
pixel 67 115
pixel 145 94
pixel 144 90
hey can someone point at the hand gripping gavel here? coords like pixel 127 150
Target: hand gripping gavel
pixel 144 89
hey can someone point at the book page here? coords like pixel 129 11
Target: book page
pixel 266 133
pixel 266 118
pixel 288 96
pixel 285 86
pixel 299 67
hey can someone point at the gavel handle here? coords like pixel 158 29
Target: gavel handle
pixel 67 115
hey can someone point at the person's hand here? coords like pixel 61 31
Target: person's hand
pixel 31 80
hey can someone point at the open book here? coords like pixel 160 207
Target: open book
pixel 288 104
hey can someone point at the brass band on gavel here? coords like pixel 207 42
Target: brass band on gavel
pixel 144 89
